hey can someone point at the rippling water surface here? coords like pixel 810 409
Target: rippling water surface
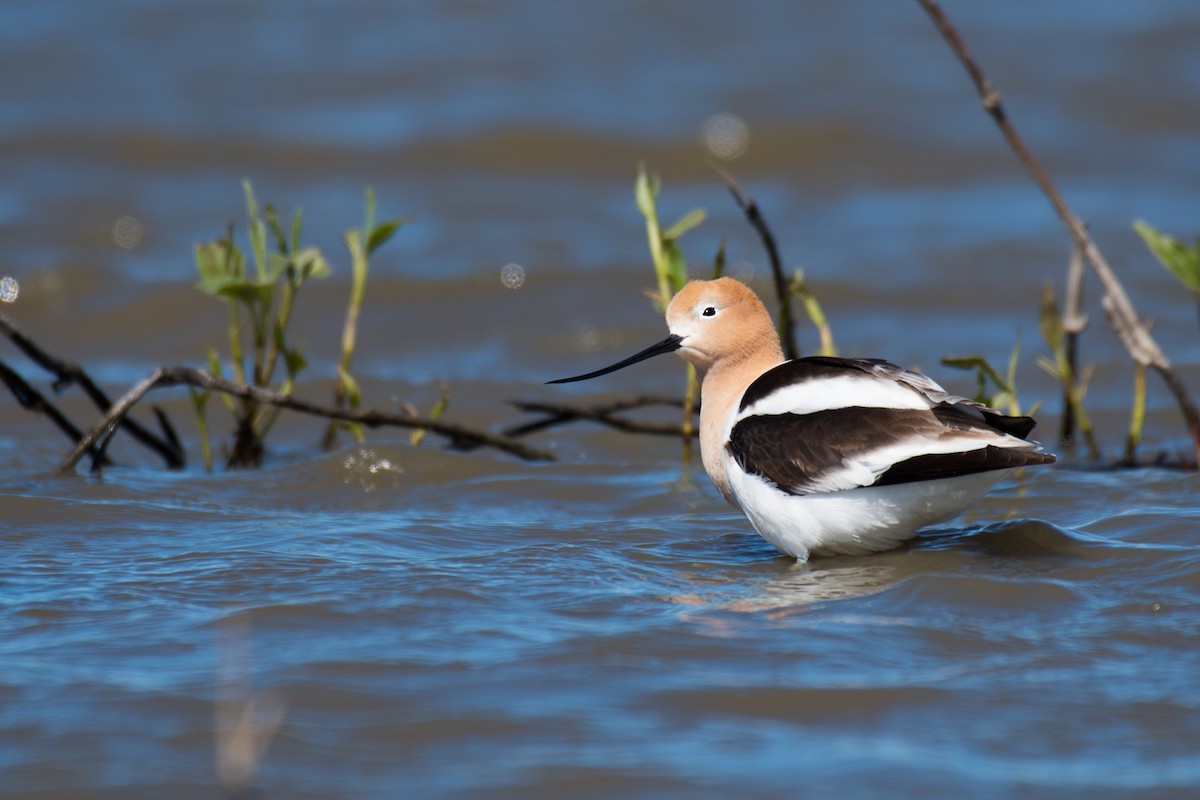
pixel 387 620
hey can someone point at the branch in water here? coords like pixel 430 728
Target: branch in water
pixel 35 401
pixel 1132 332
pixel 167 447
pixel 165 376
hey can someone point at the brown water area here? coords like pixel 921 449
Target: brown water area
pixel 388 620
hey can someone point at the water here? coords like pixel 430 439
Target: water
pixel 385 620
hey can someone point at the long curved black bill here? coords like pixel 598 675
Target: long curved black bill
pixel 667 345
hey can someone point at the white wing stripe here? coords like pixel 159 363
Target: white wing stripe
pixel 844 391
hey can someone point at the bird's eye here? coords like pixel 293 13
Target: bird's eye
pixel 709 311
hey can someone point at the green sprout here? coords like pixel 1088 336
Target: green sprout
pixel 671 269
pixel 1183 261
pixel 361 242
pixel 261 301
pixel 1074 387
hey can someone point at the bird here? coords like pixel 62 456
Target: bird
pixel 824 455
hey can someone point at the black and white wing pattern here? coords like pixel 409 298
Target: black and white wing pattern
pixel 821 424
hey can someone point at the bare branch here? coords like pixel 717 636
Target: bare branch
pixel 750 208
pixel 1134 334
pixel 67 373
pixel 34 400
pixel 165 376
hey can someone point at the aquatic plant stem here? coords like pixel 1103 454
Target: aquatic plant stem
pixel 1134 335
pixel 1137 415
pixel 671 270
pixel 1074 321
pixel 361 243
pixel 162 377
pixel 279 328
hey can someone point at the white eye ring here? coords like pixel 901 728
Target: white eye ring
pixel 709 311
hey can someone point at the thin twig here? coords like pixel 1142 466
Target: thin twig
pixel 1134 335
pixel 165 376
pixel 167 447
pixel 1074 322
pixel 749 206
pixel 559 414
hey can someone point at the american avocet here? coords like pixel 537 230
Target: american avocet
pixel 826 455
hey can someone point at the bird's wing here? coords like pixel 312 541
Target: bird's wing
pixel 823 424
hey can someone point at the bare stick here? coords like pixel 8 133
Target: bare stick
pixel 66 373
pixel 34 400
pixel 175 376
pixel 749 206
pixel 1074 322
pixel 1134 335
pixel 557 414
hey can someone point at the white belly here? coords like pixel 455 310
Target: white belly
pixel 865 520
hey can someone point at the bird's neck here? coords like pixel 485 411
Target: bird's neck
pixel 721 390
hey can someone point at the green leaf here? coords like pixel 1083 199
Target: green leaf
pixel 277 264
pixel 218 263
pixel 984 371
pixel 439 407
pixel 251 203
pixel 962 362
pixel 311 263
pixel 258 231
pixel 1181 260
pixel 978 363
pixel 645 192
pixel 199 400
pixel 435 413
pixel 382 233
pixel 353 240
pixel 676 266
pixel 215 286
pixel 250 293
pixel 1051 367
pixel 281 243
pixel 686 223
pixel 214 361
pixel 1050 320
pixel 210 263
pixel 798 288
pixel 1013 360
pixel 297 222
pixel 294 361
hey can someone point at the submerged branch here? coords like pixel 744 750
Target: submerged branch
pixel 1133 333
pixel 165 376
pixel 167 447
pixel 35 401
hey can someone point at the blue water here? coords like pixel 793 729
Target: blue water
pixel 386 620
pixel 460 638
